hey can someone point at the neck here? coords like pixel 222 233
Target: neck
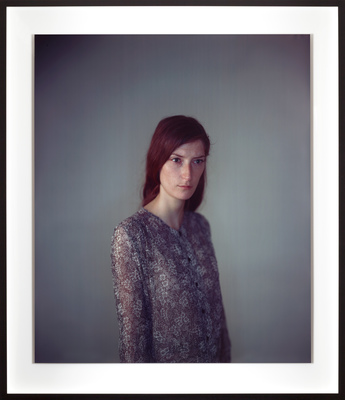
pixel 171 212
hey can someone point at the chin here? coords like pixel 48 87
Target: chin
pixel 185 197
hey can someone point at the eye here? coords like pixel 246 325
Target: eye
pixel 199 161
pixel 176 160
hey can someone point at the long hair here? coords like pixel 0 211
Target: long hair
pixel 171 133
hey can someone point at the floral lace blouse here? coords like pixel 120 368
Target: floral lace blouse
pixel 167 291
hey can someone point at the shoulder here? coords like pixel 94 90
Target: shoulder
pixel 132 228
pixel 197 221
pixel 134 222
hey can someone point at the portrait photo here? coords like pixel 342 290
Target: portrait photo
pixel 97 102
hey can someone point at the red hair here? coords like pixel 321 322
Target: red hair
pixel 171 133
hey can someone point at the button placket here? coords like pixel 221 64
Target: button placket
pixel 186 248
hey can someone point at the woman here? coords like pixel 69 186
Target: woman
pixel 164 268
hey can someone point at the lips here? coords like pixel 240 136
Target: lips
pixel 185 187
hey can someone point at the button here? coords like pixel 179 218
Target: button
pixel 203 311
pixel 180 233
pixel 196 284
pixel 207 338
pixel 189 259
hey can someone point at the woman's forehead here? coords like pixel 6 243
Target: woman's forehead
pixel 194 149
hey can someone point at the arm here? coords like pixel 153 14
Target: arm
pixel 225 356
pixel 131 306
pixel 225 347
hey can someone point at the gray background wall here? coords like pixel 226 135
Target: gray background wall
pixel 97 102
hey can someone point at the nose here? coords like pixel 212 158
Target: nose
pixel 186 172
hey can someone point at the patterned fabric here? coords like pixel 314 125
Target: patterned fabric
pixel 167 291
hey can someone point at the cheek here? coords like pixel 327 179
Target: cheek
pixel 166 174
pixel 199 172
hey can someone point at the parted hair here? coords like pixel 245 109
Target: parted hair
pixel 171 133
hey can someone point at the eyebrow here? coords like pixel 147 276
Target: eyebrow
pixel 175 154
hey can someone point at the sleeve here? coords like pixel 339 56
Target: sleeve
pixel 225 356
pixel 225 350
pixel 132 312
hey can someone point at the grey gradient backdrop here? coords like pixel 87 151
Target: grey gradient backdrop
pixel 97 102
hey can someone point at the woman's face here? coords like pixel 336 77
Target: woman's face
pixel 180 175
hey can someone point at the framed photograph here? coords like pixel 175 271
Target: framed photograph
pixel 86 87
